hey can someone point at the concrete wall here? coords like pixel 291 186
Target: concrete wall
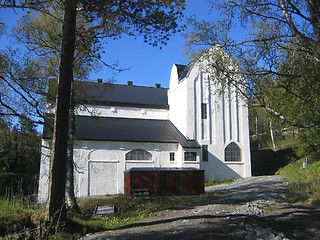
pixel 123 112
pixel 177 99
pixel 44 171
pixel 226 122
pixel 99 166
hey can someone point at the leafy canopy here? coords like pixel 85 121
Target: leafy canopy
pixel 275 44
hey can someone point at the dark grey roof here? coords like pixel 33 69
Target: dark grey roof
pixel 162 169
pixel 128 130
pixel 123 95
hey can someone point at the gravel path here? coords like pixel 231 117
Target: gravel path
pixel 251 209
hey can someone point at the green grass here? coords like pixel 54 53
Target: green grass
pixel 15 209
pixel 214 183
pixel 129 211
pixel 304 183
pixel 15 215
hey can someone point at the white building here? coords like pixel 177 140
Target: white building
pixel 126 126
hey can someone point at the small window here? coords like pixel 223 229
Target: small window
pixel 232 153
pixel 205 153
pixel 172 156
pixel 138 154
pixel 190 156
pixel 203 110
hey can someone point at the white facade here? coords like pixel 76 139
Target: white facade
pixel 226 121
pixel 216 122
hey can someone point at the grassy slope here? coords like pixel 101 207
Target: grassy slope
pixel 305 183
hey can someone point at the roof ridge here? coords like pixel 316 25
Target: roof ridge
pixel 120 84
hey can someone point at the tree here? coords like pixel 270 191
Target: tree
pixel 25 88
pixel 140 15
pixel 278 56
pixel 22 87
pixel 156 21
pixel 19 158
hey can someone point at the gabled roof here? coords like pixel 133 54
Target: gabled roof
pixel 123 95
pixel 127 130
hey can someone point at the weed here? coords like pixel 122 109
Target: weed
pixel 16 209
pixel 304 183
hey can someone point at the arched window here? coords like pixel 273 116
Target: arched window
pixel 232 153
pixel 138 154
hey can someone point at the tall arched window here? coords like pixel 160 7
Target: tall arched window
pixel 232 153
pixel 138 154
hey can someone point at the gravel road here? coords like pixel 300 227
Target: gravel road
pixel 251 209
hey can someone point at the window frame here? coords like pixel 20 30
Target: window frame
pixel 232 153
pixel 172 157
pixel 205 153
pixel 130 156
pixel 204 111
pixel 189 155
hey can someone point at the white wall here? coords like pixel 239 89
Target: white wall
pixel 111 157
pixel 99 166
pixel 227 121
pixel 123 112
pixel 177 99
pixel 44 171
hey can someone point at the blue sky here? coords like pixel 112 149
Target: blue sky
pixel 148 65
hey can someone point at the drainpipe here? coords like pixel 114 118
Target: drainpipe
pixel 88 169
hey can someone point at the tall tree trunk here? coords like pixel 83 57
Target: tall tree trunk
pixel 56 209
pixel 71 200
pixel 272 134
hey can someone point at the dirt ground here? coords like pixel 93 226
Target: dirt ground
pixel 251 209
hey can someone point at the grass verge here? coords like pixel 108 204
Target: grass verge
pixel 304 183
pixel 15 209
pixel 128 211
pixel 214 183
pixel 17 217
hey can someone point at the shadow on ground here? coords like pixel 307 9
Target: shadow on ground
pixel 184 222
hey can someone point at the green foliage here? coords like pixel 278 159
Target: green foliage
pixel 19 159
pixel 16 209
pixel 277 55
pixel 155 21
pixel 22 86
pixel 304 183
pixel 41 33
pixel 19 218
pixel 308 141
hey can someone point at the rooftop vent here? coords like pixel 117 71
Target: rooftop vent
pixel 158 85
pixel 129 83
pixel 99 80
